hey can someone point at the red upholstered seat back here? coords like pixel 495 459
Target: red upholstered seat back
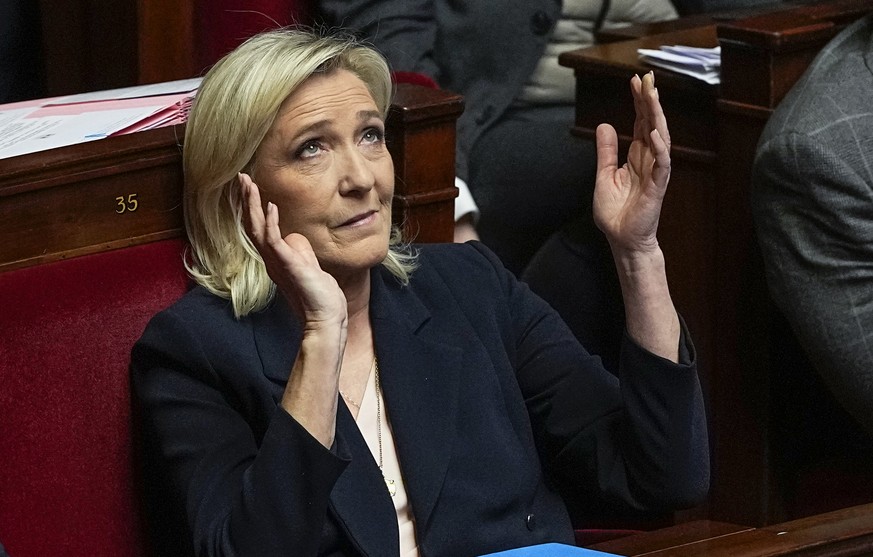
pixel 222 25
pixel 66 330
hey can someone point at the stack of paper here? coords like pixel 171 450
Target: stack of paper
pixel 31 126
pixel 702 63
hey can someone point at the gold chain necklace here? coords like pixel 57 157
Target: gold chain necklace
pixel 349 399
pixel 392 488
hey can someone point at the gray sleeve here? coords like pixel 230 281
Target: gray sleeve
pixel 403 30
pixel 813 211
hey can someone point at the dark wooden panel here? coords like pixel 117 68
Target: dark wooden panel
pixel 88 44
pixel 65 202
pixel 763 56
pixel 679 535
pixel 165 40
pixel 845 533
pixel 421 137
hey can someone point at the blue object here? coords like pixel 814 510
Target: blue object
pixel 550 550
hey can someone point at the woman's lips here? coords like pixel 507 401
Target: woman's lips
pixel 359 219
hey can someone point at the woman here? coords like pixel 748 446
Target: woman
pixel 327 390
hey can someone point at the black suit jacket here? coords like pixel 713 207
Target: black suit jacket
pixel 492 401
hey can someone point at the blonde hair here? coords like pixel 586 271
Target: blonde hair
pixel 234 109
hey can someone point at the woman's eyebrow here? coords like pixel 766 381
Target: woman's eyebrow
pixel 316 128
pixel 322 125
pixel 365 115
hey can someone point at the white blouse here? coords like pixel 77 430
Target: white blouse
pixel 366 421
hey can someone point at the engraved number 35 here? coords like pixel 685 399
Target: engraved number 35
pixel 129 203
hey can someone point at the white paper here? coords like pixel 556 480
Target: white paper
pixel 40 126
pixel 700 63
pixel 155 89
pixel 22 135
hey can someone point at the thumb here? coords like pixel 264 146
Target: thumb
pixel 607 149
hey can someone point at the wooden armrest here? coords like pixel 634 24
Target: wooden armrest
pixel 127 190
pixel 421 138
pixel 763 56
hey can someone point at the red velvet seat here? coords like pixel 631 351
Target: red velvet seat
pixel 66 471
pixel 222 25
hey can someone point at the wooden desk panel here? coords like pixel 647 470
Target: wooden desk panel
pixel 91 197
pixel 706 231
pixel 677 536
pixel 127 190
pixel 847 532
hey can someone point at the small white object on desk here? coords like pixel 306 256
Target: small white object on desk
pixel 700 63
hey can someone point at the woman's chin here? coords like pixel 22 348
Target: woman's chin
pixel 359 258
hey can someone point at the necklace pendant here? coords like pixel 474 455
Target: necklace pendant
pixel 392 489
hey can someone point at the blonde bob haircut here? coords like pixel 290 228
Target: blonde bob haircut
pixel 234 109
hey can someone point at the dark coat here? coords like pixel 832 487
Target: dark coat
pixel 492 401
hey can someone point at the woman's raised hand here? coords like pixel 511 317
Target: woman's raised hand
pixel 292 265
pixel 627 199
pixel 310 395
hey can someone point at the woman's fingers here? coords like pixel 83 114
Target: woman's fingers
pixel 290 260
pixel 649 112
pixel 262 227
pixel 658 134
pixel 253 212
pixel 661 169
pixel 641 125
pixel 273 236
pixel 607 150
pixel 652 106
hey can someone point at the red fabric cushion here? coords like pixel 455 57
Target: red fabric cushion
pixel 414 78
pixel 222 25
pixel 66 475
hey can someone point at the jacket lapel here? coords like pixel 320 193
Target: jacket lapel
pixel 359 498
pixel 419 376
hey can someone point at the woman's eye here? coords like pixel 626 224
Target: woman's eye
pixel 372 135
pixel 309 149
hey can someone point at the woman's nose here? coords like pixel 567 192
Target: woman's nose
pixel 356 172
